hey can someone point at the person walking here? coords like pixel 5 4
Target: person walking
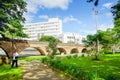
pixel 15 59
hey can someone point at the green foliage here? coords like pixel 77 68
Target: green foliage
pixel 11 12
pixel 52 46
pixel 95 2
pixel 44 60
pixel 116 14
pixel 106 51
pixel 84 68
pixel 90 41
pixel 117 29
pixel 32 58
pixel 116 10
pixel 111 37
pixel 108 76
pixel 49 38
pixel 69 57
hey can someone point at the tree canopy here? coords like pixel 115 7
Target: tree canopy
pixel 116 14
pixel 52 46
pixel 109 37
pixel 95 2
pixel 116 10
pixel 11 14
pixel 49 38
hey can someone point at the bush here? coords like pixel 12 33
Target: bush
pixel 109 76
pixel 69 57
pixel 75 56
pixel 107 52
pixel 44 60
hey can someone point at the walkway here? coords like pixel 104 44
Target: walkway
pixel 35 70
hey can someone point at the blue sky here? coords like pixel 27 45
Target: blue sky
pixel 77 15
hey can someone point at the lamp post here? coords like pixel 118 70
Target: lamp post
pixel 97 41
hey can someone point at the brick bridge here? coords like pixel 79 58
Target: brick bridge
pixel 20 45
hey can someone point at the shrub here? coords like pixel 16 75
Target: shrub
pixel 69 57
pixel 75 56
pixel 109 76
pixel 107 51
pixel 44 60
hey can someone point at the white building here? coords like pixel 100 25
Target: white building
pixel 71 38
pixel 51 28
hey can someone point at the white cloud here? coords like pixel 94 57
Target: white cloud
pixel 71 19
pixel 105 26
pixel 86 32
pixel 44 16
pixel 34 5
pixel 107 5
pixel 109 14
pixel 29 18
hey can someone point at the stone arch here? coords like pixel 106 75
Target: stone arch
pixel 74 50
pixel 84 50
pixel 40 50
pixel 5 51
pixel 62 50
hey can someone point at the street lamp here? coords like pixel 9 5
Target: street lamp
pixel 96 20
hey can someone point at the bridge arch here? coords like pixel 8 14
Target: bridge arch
pixel 74 50
pixel 4 51
pixel 84 50
pixel 62 50
pixel 40 50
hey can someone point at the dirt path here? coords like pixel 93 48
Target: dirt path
pixel 35 70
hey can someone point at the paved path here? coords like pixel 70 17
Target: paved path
pixel 35 70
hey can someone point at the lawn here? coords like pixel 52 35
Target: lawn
pixel 109 63
pixel 8 73
pixel 106 68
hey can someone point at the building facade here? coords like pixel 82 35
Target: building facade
pixel 51 28
pixel 71 38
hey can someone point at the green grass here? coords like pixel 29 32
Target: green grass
pixel 108 66
pixel 31 58
pixel 8 73
pixel 110 63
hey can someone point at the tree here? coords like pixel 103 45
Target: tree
pixel 49 38
pixel 11 12
pixel 95 2
pixel 116 14
pixel 116 10
pixel 52 46
pixel 106 38
pixel 90 41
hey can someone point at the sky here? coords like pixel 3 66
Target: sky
pixel 77 15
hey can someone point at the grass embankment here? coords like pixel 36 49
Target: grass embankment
pixel 8 73
pixel 86 68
